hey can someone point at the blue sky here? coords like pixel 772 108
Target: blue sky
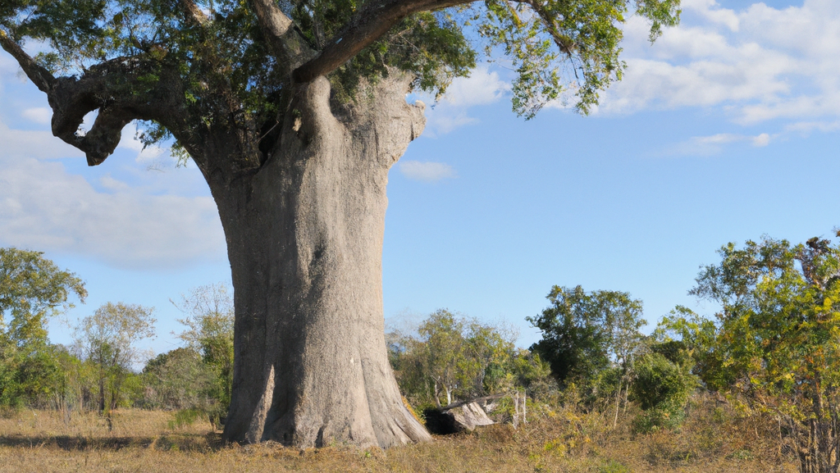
pixel 726 129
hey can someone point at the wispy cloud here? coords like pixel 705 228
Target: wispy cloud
pixel 426 171
pixel 34 144
pixel 41 115
pixel 806 128
pixel 713 144
pixel 482 87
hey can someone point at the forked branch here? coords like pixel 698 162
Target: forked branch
pixel 288 45
pixel 368 25
pixel 116 90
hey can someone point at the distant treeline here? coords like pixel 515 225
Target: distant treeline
pixel 772 349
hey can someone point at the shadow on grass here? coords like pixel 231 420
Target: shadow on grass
pixel 178 442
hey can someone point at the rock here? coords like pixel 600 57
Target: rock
pixel 464 417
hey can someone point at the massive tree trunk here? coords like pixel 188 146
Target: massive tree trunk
pixel 304 238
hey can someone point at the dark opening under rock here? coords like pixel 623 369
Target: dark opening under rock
pixel 464 417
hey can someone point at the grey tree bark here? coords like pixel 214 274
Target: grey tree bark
pixel 304 221
pixel 304 238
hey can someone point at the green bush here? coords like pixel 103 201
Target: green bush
pixel 661 388
pixel 660 381
pixel 668 415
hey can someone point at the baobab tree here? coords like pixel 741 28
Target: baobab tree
pixel 294 110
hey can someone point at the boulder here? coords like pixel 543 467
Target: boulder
pixel 463 417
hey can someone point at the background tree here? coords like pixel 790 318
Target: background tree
pixel 454 358
pixel 209 322
pixel 583 333
pixel 775 342
pixel 294 111
pixel 176 380
pixel 443 348
pixel 108 340
pixel 32 289
pixel 661 386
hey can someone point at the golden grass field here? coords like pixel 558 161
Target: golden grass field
pixel 556 441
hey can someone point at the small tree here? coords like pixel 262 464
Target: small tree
pixel 776 340
pixel 177 380
pixel 443 347
pixel 108 339
pixel 584 333
pixel 453 357
pixel 32 289
pixel 209 321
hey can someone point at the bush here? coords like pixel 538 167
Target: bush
pixel 662 388
pixel 660 381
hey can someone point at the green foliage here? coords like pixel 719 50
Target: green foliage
pixel 457 358
pixel 107 340
pixel 667 416
pixel 558 48
pixel 582 332
pixel 660 381
pixel 209 323
pixel 691 338
pixel 776 339
pixel 177 380
pixel 32 289
pixel 184 417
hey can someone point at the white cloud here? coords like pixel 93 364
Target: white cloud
pixel 112 184
pixel 45 208
pixel 759 63
pixel 482 87
pixel 761 140
pixel 806 128
pixel 40 115
pixel 711 10
pixel 34 144
pixel 713 144
pixel 153 157
pixel 426 171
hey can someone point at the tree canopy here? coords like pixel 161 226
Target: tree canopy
pixel 32 289
pixel 774 341
pixel 584 332
pixel 186 67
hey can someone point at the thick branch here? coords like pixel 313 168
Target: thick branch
pixel 290 48
pixel 36 73
pixel 115 90
pixel 370 24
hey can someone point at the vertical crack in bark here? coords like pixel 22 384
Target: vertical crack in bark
pixel 255 430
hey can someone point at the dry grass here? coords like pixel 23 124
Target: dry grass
pixel 557 441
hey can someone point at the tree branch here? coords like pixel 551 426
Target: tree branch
pixel 564 43
pixel 192 12
pixel 36 73
pixel 115 89
pixel 368 25
pixel 289 46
